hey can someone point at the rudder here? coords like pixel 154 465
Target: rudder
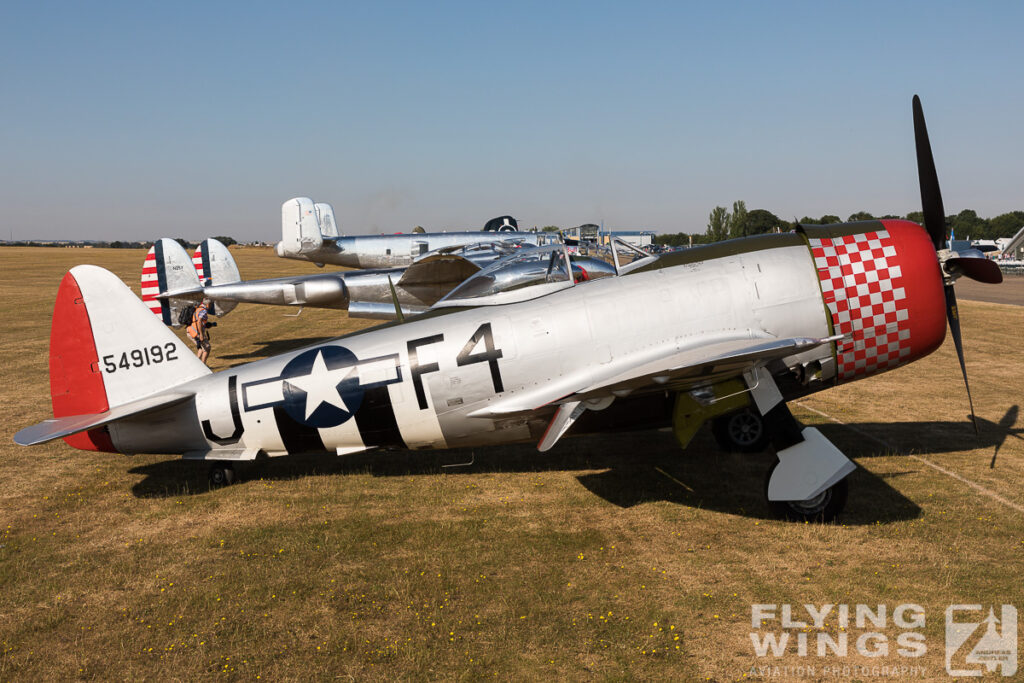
pixel 300 231
pixel 167 268
pixel 215 266
pixel 107 350
pixel 325 219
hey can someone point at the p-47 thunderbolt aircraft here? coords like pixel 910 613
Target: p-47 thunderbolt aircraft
pixel 309 233
pixel 727 332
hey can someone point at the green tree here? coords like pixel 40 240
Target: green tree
pixel 551 228
pixel 184 243
pixel 738 220
pixel 967 225
pixel 824 220
pixel 760 221
pixel 718 225
pixel 1006 224
pixel 860 216
pixel 225 240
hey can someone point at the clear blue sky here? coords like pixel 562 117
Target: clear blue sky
pixel 140 120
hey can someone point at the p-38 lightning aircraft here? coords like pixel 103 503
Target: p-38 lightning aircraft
pixel 728 332
pixel 169 280
pixel 310 233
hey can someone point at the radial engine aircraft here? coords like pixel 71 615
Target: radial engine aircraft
pixel 169 281
pixel 727 332
pixel 304 237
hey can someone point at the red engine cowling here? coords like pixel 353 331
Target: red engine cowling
pixel 882 285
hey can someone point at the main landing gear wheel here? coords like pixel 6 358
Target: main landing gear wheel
pixel 740 432
pixel 824 507
pixel 221 474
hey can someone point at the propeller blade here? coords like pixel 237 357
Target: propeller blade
pixel 953 317
pixel 980 269
pixel 931 196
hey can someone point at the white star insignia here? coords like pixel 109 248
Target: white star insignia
pixel 321 385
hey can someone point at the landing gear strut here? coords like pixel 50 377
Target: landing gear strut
pixel 221 474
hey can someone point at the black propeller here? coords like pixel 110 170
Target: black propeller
pixel 935 223
pixel 931 196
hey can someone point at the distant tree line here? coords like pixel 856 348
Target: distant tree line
pixel 98 244
pixel 723 224
pixel 116 244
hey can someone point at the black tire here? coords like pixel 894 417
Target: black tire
pixel 221 474
pixel 742 431
pixel 823 508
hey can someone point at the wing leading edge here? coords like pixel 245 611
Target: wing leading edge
pixel 674 369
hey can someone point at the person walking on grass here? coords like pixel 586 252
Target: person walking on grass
pixel 198 332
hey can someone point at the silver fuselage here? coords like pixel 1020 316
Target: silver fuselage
pixel 417 384
pixel 391 251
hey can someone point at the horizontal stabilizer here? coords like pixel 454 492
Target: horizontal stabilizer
pixel 59 427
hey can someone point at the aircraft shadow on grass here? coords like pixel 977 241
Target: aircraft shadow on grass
pixel 635 468
pixel 265 349
pixel 926 437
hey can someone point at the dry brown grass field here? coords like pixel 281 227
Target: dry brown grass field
pixel 611 558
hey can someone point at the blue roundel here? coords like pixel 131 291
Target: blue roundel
pixel 327 376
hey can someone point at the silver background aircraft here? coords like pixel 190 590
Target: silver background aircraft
pixel 309 233
pixel 169 280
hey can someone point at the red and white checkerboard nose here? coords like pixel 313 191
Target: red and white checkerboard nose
pixel 883 289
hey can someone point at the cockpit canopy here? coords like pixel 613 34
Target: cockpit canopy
pixel 527 274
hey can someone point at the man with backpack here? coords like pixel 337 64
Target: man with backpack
pixel 198 326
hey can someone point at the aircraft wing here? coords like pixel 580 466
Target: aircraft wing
pixel 687 369
pixel 59 427
pixel 676 369
pixel 438 269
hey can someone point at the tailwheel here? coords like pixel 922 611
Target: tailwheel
pixel 221 474
pixel 823 508
pixel 742 431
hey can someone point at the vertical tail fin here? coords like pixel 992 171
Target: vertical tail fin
pixel 215 266
pixel 107 350
pixel 325 219
pixel 167 268
pixel 501 224
pixel 300 232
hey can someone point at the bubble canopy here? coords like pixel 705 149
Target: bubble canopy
pixel 527 274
